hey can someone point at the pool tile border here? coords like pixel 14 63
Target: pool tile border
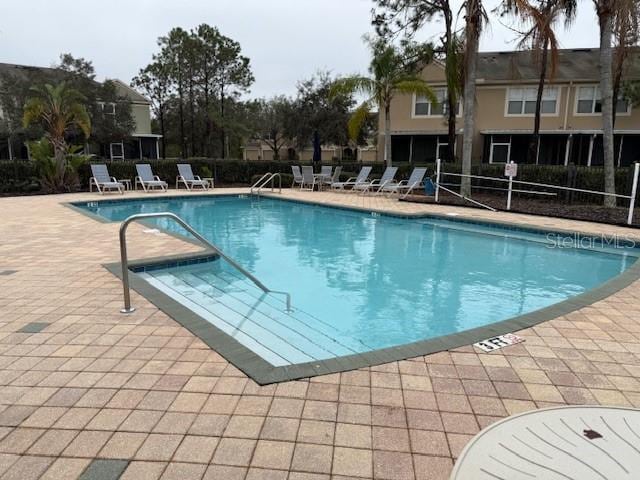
pixel 264 373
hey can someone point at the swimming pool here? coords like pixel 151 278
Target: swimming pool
pixel 362 283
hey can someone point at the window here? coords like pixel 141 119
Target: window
pixel 522 101
pixel 500 149
pixel 117 151
pixel 424 107
pixel 589 101
pixel 108 108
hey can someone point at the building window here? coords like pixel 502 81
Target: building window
pixel 522 101
pixel 108 108
pixel 500 149
pixel 589 101
pixel 424 108
pixel 116 151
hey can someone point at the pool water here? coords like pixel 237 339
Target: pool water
pixel 360 281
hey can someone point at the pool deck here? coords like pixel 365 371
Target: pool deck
pixel 87 391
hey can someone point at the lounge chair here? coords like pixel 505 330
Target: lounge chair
pixel 297 176
pixel 147 180
pixel 406 186
pixel 351 182
pixel 102 180
pixel 308 178
pixel 334 178
pixel 186 176
pixel 376 185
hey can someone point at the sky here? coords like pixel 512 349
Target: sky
pixel 286 40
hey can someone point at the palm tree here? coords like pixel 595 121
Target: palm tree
pixel 61 112
pixel 606 11
pixel 626 32
pixel 392 71
pixel 541 39
pixel 475 18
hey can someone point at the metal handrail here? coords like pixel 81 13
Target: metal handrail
pixel 125 261
pixel 266 178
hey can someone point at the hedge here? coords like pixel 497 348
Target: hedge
pixel 21 176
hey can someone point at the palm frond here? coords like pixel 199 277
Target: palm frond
pixel 357 120
pixel 353 85
pixel 417 86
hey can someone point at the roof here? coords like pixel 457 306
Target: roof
pixel 579 64
pixel 23 71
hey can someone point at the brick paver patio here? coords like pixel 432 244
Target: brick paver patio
pixel 86 392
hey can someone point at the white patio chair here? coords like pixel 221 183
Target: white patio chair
pixel 308 178
pixel 406 186
pixel 102 180
pixel 360 179
pixel 186 176
pixel 297 176
pixel 147 180
pixel 376 185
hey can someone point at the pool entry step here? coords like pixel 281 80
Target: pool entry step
pixel 257 320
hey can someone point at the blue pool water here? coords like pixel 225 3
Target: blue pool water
pixel 359 281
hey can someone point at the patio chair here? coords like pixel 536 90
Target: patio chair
pixel 102 180
pixel 186 176
pixel 406 186
pixel 376 185
pixel 308 178
pixel 351 182
pixel 147 180
pixel 333 178
pixel 297 176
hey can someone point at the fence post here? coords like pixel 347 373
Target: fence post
pixel 509 169
pixel 437 179
pixel 634 189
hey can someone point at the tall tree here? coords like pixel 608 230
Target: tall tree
pixel 271 118
pixel 315 109
pixel 172 55
pixel 541 17
pixel 393 70
pixel 626 33
pixel 475 18
pixel 154 82
pixel 606 11
pixel 407 17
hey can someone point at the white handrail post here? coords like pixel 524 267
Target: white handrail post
pixel 510 190
pixel 437 196
pixel 634 189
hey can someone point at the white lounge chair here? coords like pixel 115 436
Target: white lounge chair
pixel 308 178
pixel 334 178
pixel 297 176
pixel 377 184
pixel 186 176
pixel 147 180
pixel 351 182
pixel 102 180
pixel 406 186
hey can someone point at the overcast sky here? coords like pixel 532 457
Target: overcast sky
pixel 286 40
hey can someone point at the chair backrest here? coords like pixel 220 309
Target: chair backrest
pixel 307 174
pixel 100 172
pixel 184 169
pixel 144 172
pixel 326 171
pixel 416 176
pixel 389 174
pixel 363 175
pixel 336 174
pixel 295 169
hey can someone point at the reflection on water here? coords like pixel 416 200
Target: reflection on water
pixel 383 280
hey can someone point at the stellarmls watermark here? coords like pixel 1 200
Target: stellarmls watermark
pixel 578 240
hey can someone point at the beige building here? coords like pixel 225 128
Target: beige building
pixel 571 122
pixel 261 151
